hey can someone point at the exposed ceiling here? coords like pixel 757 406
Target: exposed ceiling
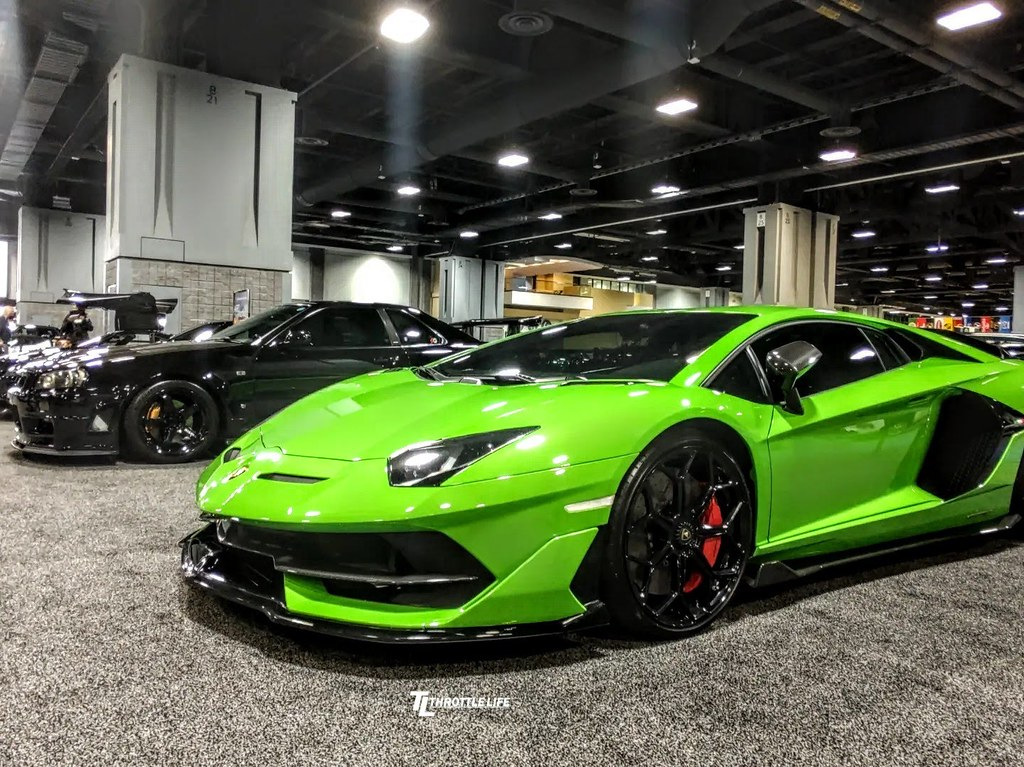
pixel 929 108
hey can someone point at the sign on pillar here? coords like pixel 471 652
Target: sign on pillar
pixel 789 256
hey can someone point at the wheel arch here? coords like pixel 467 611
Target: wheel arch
pixel 737 446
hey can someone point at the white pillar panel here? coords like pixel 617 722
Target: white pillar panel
pixel 1018 299
pixel 712 297
pixel 199 168
pixel 58 250
pixel 366 277
pixel 789 256
pixel 471 289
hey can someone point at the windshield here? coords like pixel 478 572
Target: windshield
pixel 641 345
pixel 260 324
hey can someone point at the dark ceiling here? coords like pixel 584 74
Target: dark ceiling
pixel 928 107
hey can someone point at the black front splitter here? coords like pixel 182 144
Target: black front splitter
pixel 199 555
pixel 28 447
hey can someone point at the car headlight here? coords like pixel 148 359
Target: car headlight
pixel 428 464
pixel 62 379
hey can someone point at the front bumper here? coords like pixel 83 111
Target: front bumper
pixel 65 422
pixel 253 581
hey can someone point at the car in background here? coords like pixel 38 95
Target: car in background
pixel 1010 343
pixel 500 327
pixel 174 402
pixel 631 467
pixel 27 337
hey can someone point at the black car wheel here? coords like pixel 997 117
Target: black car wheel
pixel 680 535
pixel 171 422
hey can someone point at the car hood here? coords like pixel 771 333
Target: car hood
pixel 378 414
pixel 101 354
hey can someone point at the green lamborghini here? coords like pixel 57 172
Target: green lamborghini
pixel 630 468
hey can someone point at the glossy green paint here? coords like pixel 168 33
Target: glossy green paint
pixel 839 476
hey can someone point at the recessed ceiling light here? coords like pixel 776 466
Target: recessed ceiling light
pixel 927 308
pixel 996 260
pixel 469 234
pixel 863 234
pixel 889 292
pixel 839 154
pixel 676 106
pixel 967 304
pixel 970 16
pixel 513 159
pixel 930 298
pixel 723 268
pixel 340 214
pixel 564 245
pixel 657 232
pixel 1002 308
pixel 404 25
pixel 408 190
pixel 396 248
pixel 933 278
pixel 665 189
pixel 739 247
pixel 879 269
pixel 942 188
pixel 980 286
pixel 550 216
pixel 940 248
pixel 648 258
pixel 1018 211
pixel 623 278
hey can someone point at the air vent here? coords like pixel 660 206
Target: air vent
pixel 525 23
pixel 294 478
pixel 583 191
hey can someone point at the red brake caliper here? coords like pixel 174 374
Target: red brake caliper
pixel 710 548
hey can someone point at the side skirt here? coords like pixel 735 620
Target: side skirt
pixel 774 572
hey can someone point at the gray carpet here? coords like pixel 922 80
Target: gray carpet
pixel 107 659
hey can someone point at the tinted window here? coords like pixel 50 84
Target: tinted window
pixel 346 326
pixel 846 355
pixel 889 352
pixel 740 379
pixel 412 331
pixel 639 345
pixel 918 346
pixel 261 324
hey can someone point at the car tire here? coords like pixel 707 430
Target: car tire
pixel 170 422
pixel 679 536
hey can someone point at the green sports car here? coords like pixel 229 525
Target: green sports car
pixel 631 468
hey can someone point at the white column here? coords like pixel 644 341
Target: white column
pixel 789 256
pixel 1018 299
pixel 471 289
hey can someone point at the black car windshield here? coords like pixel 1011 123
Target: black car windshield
pixel 631 346
pixel 260 324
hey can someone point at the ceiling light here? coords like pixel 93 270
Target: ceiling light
pixel 862 234
pixel 967 305
pixel 972 15
pixel 623 278
pixel 940 248
pixel 1002 308
pixel 1018 211
pixel 996 260
pixel 396 248
pixel 657 232
pixel 930 298
pixel 552 216
pixel 340 214
pixel 676 106
pixel 933 278
pixel 879 269
pixel 564 245
pixel 469 234
pixel 665 189
pixel 889 292
pixel 942 188
pixel 408 190
pixel 838 154
pixel 404 25
pixel 513 159
pixel 739 247
pixel 723 268
pixel 927 308
pixel 980 286
pixel 648 258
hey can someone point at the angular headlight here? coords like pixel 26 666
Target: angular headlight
pixel 428 464
pixel 62 379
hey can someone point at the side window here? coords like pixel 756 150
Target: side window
pixel 740 379
pixel 846 355
pixel 411 331
pixel 345 326
pixel 891 355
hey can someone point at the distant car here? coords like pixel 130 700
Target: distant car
pixel 1011 343
pixel 500 327
pixel 30 336
pixel 167 403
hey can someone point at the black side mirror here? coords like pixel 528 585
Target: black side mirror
pixel 297 337
pixel 790 363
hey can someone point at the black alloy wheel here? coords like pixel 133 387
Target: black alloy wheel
pixel 681 533
pixel 171 422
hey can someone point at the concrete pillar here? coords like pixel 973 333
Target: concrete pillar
pixel 56 250
pixel 199 180
pixel 872 311
pixel 711 297
pixel 471 289
pixel 789 256
pixel 1018 299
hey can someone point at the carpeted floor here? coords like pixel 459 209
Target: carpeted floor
pixel 107 659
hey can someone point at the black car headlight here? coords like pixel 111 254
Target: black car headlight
pixel 62 379
pixel 428 464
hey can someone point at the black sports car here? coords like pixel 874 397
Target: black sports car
pixel 173 402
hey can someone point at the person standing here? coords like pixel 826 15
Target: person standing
pixel 7 317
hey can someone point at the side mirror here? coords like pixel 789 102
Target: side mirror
pixel 297 337
pixel 790 363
